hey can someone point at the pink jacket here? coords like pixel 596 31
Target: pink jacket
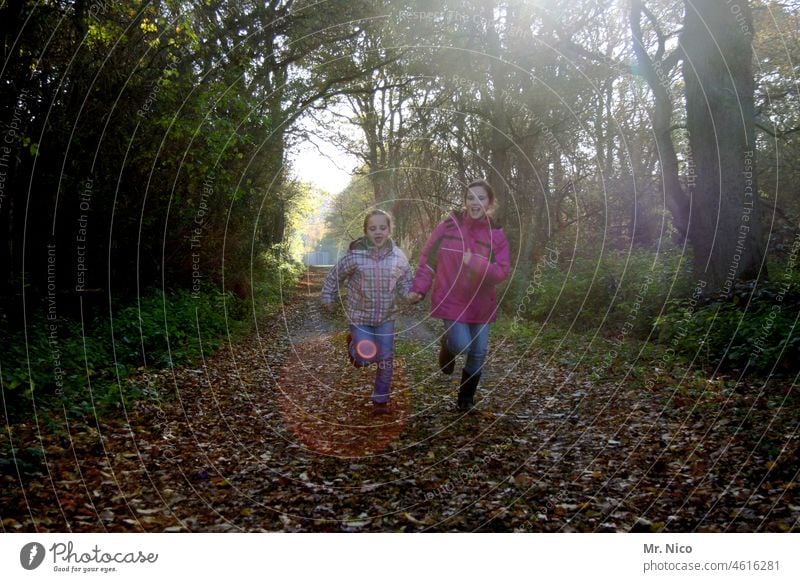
pixel 464 293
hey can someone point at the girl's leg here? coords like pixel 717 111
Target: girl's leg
pixel 472 338
pixel 447 359
pixel 384 339
pixel 471 374
pixel 458 336
pixel 478 348
pixel 363 347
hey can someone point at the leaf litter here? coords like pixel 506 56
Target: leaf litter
pixel 277 433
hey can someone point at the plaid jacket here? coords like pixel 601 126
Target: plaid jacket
pixel 374 276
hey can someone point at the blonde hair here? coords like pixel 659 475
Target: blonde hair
pixel 378 212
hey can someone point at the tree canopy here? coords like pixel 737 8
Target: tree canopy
pixel 146 146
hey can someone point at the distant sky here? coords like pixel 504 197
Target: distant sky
pixel 323 164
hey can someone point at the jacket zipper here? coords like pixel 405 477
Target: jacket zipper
pixel 379 293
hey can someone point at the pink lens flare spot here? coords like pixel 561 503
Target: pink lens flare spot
pixel 366 349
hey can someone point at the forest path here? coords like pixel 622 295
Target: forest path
pixel 276 433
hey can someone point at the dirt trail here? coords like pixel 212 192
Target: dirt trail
pixel 276 433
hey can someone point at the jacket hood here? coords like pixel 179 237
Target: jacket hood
pixel 462 217
pixel 363 244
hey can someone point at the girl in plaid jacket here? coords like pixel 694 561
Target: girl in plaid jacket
pixel 375 271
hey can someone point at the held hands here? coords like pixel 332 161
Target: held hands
pixel 413 297
pixel 467 256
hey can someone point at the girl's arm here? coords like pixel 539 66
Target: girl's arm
pixel 405 280
pixel 336 276
pixel 492 272
pixel 424 275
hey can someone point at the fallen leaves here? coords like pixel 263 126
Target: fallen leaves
pixel 328 407
pixel 277 434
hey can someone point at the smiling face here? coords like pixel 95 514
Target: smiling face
pixel 477 202
pixel 378 230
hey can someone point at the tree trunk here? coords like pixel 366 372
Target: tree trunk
pixel 657 75
pixel 499 166
pixel 724 224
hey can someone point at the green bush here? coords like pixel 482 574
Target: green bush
pixel 163 330
pixel 738 332
pixel 274 280
pixel 623 293
pixel 54 359
pixel 57 365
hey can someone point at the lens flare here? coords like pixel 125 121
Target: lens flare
pixel 366 349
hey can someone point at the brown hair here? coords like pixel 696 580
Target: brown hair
pixel 377 212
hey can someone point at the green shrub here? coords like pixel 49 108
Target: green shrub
pixel 738 332
pixel 55 363
pixel 275 280
pixel 159 330
pixel 54 359
pixel 623 293
pixel 166 329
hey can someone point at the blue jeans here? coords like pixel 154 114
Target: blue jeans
pixel 469 338
pixel 374 344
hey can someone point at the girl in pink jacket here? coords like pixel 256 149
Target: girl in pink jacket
pixel 464 259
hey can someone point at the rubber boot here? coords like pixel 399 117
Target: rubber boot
pixel 466 392
pixel 447 361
